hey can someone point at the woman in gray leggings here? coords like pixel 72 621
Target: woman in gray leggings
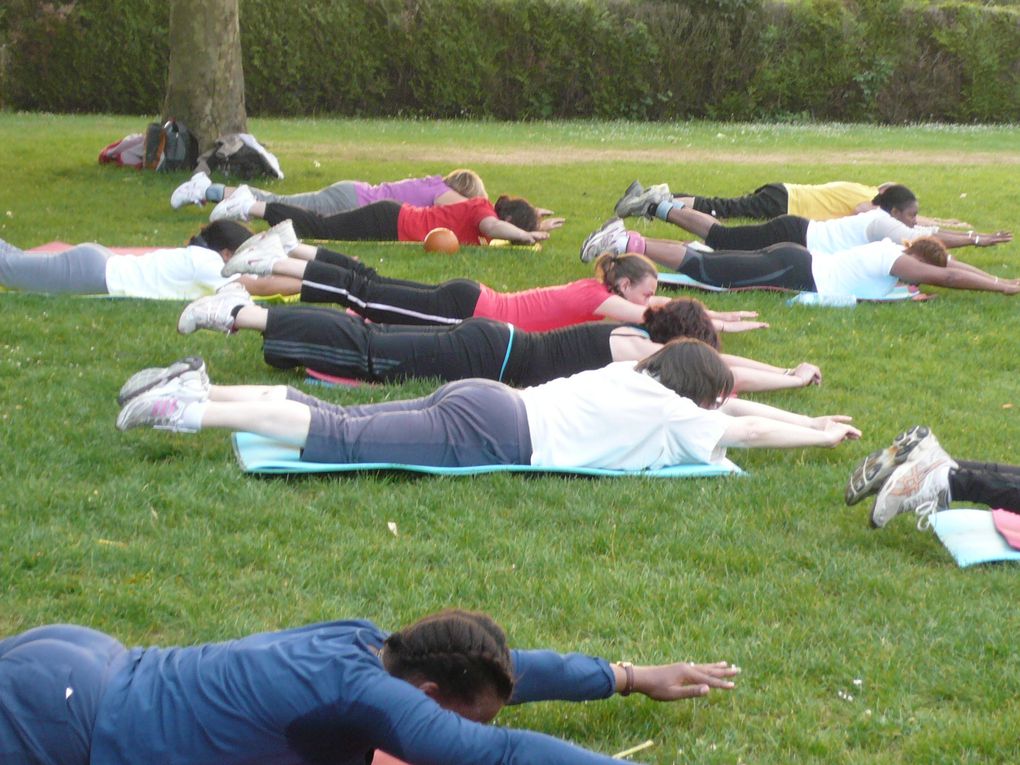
pixel 179 272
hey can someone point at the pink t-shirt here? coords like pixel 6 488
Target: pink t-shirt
pixel 420 192
pixel 544 308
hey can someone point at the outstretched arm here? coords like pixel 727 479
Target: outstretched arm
pixel 760 425
pixel 963 239
pixel 955 276
pixel 494 228
pixel 750 375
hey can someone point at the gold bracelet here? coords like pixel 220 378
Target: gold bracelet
pixel 628 669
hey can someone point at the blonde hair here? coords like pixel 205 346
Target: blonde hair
pixel 465 182
pixel 611 269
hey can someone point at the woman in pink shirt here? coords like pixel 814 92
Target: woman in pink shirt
pixel 623 287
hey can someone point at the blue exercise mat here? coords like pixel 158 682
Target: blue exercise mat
pixel 971 537
pixel 674 279
pixel 257 454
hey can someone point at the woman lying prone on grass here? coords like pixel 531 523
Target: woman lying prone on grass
pixel 180 272
pixel 472 220
pixel 894 217
pixel 623 287
pixel 329 692
pixel 672 408
pixel 868 272
pixel 337 343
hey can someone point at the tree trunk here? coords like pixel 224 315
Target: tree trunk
pixel 205 84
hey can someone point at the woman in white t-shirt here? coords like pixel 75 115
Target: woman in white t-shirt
pixel 867 272
pixel 181 272
pixel 669 409
pixel 894 217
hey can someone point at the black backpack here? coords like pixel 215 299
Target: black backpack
pixel 170 147
pixel 240 155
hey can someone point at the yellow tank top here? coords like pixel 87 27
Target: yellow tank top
pixel 827 200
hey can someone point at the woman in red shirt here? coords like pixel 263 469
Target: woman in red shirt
pixel 472 220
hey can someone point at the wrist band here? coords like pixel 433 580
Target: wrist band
pixel 977 240
pixel 628 669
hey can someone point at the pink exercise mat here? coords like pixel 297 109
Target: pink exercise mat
pixel 51 247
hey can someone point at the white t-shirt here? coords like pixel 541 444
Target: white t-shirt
pixel 860 271
pixel 840 234
pixel 615 417
pixel 183 272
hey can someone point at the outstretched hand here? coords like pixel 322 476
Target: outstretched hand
pixel 999 237
pixel 809 374
pixel 548 224
pixel 741 325
pixel 670 682
pixel 733 315
pixel 837 428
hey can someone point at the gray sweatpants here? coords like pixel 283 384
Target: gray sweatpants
pixel 340 197
pixel 464 423
pixel 80 270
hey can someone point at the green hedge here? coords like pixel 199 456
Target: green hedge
pixel 871 60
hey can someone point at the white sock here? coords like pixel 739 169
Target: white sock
pixel 191 417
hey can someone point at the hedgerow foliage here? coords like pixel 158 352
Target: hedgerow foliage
pixel 878 60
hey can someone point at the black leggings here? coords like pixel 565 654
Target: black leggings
pixel 339 344
pixel 769 201
pixel 336 278
pixel 376 222
pixel 787 266
pixel 785 228
pixel 989 483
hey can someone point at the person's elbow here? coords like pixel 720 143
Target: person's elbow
pixel 745 433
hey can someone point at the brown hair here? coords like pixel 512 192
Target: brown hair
pixel 928 250
pixel 611 269
pixel 463 652
pixel 518 211
pixel 691 369
pixel 465 182
pixel 680 317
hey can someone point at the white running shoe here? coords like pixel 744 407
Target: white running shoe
pixel 637 201
pixel 872 471
pixel 153 377
pixel 285 231
pixel 163 407
pixel 611 237
pixel 920 485
pixel 214 312
pixel 256 255
pixel 191 192
pixel 235 207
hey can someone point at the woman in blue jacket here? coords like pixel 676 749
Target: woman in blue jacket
pixel 324 693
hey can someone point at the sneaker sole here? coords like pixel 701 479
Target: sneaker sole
pixel 630 190
pixel 129 391
pixel 871 472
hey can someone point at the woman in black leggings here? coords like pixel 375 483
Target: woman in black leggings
pixel 336 343
pixel 915 474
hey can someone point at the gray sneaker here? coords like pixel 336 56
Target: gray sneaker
pixel 191 192
pixel 637 201
pixel 256 255
pixel 611 237
pixel 235 207
pixel 163 407
pixel 214 312
pixel 872 471
pixel 153 377
pixel 919 485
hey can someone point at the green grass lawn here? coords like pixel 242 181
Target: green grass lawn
pixel 857 646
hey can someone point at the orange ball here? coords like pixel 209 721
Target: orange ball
pixel 441 240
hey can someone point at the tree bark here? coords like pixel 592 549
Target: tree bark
pixel 205 83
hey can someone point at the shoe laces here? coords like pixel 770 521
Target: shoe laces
pixel 925 511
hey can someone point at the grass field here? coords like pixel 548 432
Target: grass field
pixel 857 646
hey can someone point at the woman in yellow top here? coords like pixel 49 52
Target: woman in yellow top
pixel 813 201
